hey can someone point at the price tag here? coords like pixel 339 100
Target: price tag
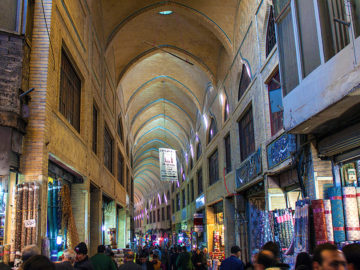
pixel 30 223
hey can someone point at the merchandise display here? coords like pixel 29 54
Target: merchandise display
pixel 61 229
pixel 27 206
pixel 277 226
pixel 329 222
pixel 302 236
pixel 334 194
pixel 351 214
pixel 319 221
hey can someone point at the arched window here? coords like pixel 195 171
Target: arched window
pixel 226 110
pixel 198 150
pixel 212 129
pixel 120 128
pixel 244 81
pixel 270 33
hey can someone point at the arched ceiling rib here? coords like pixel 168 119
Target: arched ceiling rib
pixel 163 93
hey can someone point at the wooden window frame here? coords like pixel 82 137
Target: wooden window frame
pixel 213 162
pixel 108 164
pixel 228 161
pixel 200 183
pixel 95 124
pixel 246 134
pixel 70 92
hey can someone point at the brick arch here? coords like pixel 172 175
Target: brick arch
pixel 183 53
pixel 177 6
pixel 264 29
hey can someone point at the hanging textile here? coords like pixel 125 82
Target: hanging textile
pixel 68 221
pixel 7 254
pixel 27 204
pixel 334 194
pixel 358 198
pixel 328 219
pixel 351 214
pixel 302 227
pixel 319 221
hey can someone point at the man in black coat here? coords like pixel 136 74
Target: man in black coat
pixel 144 262
pixel 199 260
pixel 82 259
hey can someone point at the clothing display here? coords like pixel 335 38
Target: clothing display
pixel 277 226
pixel 302 236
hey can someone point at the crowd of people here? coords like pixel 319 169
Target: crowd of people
pixel 326 256
pixel 76 259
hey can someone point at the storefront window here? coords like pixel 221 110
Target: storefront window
pixel 276 104
pixel 350 173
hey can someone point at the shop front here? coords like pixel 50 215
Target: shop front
pixel 199 230
pixel 215 232
pixel 62 232
pixel 10 177
pixel 108 226
pixel 250 201
pixel 343 149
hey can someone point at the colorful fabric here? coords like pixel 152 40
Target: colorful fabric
pixel 301 241
pixel 328 219
pixel 358 198
pixel 335 196
pixel 319 221
pixel 351 214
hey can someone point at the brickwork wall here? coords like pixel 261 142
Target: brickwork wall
pixel 73 27
pixel 11 58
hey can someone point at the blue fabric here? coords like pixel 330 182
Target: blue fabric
pixel 232 263
pixel 335 195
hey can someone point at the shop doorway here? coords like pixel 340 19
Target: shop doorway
pixel 95 218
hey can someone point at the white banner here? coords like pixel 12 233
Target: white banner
pixel 168 167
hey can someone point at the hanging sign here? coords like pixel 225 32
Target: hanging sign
pixel 30 223
pixel 168 168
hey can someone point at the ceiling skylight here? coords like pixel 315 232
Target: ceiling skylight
pixel 165 12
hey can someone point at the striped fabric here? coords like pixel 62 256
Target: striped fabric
pixel 319 221
pixel 358 198
pixel 329 222
pixel 351 214
pixel 334 194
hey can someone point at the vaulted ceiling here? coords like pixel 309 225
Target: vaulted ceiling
pixel 163 65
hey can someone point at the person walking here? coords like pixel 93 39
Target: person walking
pixel 183 262
pixel 144 262
pixel 233 262
pixel 173 258
pixel 199 260
pixel 82 261
pixel 129 262
pixel 101 261
pixel 67 260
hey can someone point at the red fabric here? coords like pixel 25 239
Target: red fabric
pixel 319 221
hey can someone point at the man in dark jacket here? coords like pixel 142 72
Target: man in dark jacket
pixel 183 261
pixel 101 261
pixel 82 259
pixel 144 262
pixel 129 262
pixel 173 258
pixel 199 260
pixel 233 262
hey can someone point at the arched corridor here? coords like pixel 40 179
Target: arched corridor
pixel 203 123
